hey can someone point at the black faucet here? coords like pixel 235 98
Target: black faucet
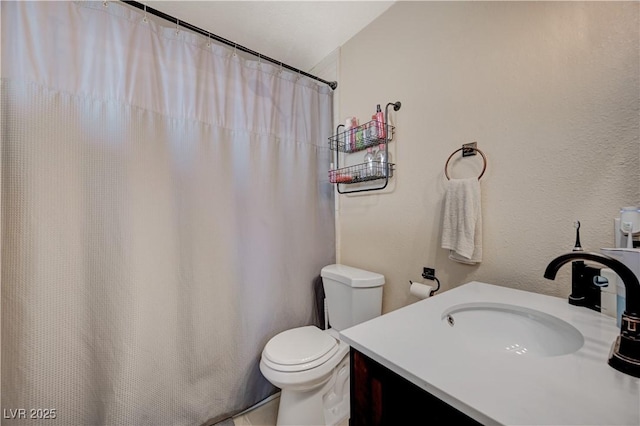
pixel 625 351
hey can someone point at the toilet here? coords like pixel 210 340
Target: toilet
pixel 310 365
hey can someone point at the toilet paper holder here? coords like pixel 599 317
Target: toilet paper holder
pixel 429 274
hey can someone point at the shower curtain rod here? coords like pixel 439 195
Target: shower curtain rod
pixel 152 11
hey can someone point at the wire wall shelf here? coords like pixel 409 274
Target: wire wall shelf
pixel 376 132
pixel 366 135
pixel 361 172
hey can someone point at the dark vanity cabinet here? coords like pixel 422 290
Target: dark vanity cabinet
pixel 381 397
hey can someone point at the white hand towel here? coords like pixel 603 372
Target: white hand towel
pixel 462 221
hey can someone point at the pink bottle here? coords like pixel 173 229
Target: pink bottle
pixel 382 128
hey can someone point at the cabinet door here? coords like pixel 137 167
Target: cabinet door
pixel 382 397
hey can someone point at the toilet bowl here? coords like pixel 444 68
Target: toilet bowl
pixel 311 367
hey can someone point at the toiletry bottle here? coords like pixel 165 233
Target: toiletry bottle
pixel 354 130
pixel 369 161
pixel 346 135
pixel 360 137
pixel 373 129
pixel 382 161
pixel 382 131
pixel 366 134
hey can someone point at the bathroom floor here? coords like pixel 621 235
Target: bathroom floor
pixel 265 415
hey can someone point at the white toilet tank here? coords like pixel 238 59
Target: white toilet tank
pixel 353 295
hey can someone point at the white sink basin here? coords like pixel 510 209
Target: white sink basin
pixel 511 329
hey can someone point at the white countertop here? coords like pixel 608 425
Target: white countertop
pixel 504 388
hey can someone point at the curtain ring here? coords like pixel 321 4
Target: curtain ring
pixel 144 19
pixel 281 69
pixel 208 39
pixel 259 61
pixel 177 26
pixel 105 4
pixel 235 47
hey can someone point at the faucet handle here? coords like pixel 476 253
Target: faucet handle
pixel 631 327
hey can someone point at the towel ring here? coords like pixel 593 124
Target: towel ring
pixel 484 159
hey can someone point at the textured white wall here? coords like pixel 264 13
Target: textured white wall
pixel 551 93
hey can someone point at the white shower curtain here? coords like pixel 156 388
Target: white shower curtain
pixel 165 211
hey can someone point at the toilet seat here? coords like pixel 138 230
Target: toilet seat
pixel 299 349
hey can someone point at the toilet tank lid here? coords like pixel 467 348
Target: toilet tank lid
pixel 351 276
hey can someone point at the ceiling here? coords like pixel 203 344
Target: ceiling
pixel 298 33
